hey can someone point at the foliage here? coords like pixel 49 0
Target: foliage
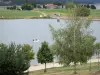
pixel 28 51
pixel 14 7
pixel 34 5
pixel 97 50
pixel 88 6
pixel 27 6
pixel 82 11
pixel 70 5
pixel 44 54
pixel 74 43
pixel 13 59
pixel 97 45
pixel 58 3
pixel 44 6
pixel 93 7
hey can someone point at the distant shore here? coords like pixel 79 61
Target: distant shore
pixel 60 18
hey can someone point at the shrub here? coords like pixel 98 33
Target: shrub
pixel 93 7
pixel 27 7
pixel 82 11
pixel 14 59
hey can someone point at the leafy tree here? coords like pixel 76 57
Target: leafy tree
pixel 44 54
pixel 70 5
pixel 82 11
pixel 57 3
pixel 93 7
pixel 14 60
pixel 14 7
pixel 28 51
pixel 88 6
pixel 34 5
pixel 74 43
pixel 27 6
pixel 44 6
pixel 97 50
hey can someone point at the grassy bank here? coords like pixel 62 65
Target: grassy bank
pixel 81 70
pixel 18 14
pixel 11 14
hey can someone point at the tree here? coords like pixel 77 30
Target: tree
pixel 70 5
pixel 27 6
pixel 82 11
pixel 44 54
pixel 93 7
pixel 13 59
pixel 28 51
pixel 44 7
pixel 88 6
pixel 97 50
pixel 74 42
pixel 57 3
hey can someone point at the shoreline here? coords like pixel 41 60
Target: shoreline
pixel 52 65
pixel 60 18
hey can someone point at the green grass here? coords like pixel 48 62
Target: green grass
pixel 95 13
pixel 81 70
pixel 19 14
pixel 36 13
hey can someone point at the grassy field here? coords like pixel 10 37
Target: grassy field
pixel 81 70
pixel 19 14
pixel 37 12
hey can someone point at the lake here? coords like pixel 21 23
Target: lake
pixel 23 31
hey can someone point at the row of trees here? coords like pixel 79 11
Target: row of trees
pixel 15 59
pixel 72 5
pixel 89 6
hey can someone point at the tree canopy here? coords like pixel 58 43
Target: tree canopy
pixel 74 42
pixel 15 59
pixel 44 54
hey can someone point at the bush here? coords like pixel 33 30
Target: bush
pixel 14 59
pixel 27 7
pixel 93 7
pixel 82 11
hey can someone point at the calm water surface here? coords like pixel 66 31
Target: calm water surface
pixel 23 31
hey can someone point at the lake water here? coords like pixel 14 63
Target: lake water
pixel 23 31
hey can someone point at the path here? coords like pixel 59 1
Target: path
pixel 51 65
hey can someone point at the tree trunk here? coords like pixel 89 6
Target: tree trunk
pixel 45 68
pixel 75 68
pixel 98 58
pixel 90 65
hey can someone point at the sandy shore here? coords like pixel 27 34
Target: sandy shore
pixel 51 65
